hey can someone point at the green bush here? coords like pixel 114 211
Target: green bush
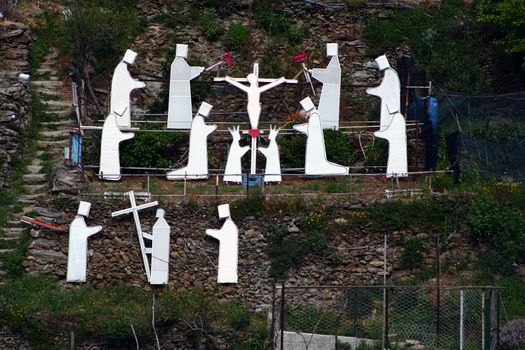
pixel 413 250
pixel 502 226
pixel 292 151
pixel 251 205
pixel 150 149
pixel 280 25
pixel 285 251
pixel 237 37
pixel 210 24
pixel 317 241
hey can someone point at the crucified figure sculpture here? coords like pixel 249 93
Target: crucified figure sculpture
pixel 254 91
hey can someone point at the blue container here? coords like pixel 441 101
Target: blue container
pixel 251 181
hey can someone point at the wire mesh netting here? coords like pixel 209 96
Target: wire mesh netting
pixel 485 132
pixel 392 317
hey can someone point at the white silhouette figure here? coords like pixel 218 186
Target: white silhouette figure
pixel 331 91
pixel 273 162
pixel 395 133
pixel 109 168
pixel 179 105
pixel 316 162
pixel 121 86
pixel 160 249
pixel 233 171
pixel 197 167
pixel 228 237
pixel 389 91
pixel 79 233
pixel 254 92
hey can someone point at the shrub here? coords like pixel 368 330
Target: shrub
pixel 412 253
pixel 317 241
pixel 285 251
pixel 211 26
pixel 251 205
pixel 513 334
pixel 280 25
pixel 499 225
pixel 237 37
pixel 150 149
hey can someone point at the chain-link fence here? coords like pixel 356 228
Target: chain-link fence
pixel 391 317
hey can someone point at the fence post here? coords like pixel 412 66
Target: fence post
pixel 282 313
pixel 461 319
pixel 273 318
pixel 386 342
pixel 217 187
pixel 184 185
pixel 438 293
pixel 356 312
pixel 498 311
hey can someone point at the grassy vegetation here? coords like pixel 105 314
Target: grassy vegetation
pixel 39 308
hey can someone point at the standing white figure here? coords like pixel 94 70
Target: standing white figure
pixel 179 105
pixel 160 249
pixel 331 91
pixel 79 233
pixel 389 91
pixel 197 167
pixel 395 133
pixel 121 86
pixel 109 167
pixel 273 162
pixel 233 170
pixel 316 162
pixel 228 237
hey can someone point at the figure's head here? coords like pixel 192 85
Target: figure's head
pixel 181 50
pixel 224 211
pixel 252 78
pixel 130 56
pixel 382 62
pixel 84 208
pixel 331 49
pixel 204 109
pixel 307 104
pixel 160 213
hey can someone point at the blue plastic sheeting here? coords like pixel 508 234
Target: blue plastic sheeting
pixel 76 149
pixel 251 181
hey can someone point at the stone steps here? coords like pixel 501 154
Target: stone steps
pixel 34 169
pixel 34 179
pixel 56 133
pixel 54 137
pixel 35 189
pixel 47 84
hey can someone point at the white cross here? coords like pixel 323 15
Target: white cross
pixel 135 210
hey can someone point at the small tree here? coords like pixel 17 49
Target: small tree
pixel 96 33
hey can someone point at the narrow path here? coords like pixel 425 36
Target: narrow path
pixel 53 137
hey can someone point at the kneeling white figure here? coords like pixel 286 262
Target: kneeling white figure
pixel 197 167
pixel 233 170
pixel 112 136
pixel 77 254
pixel 315 162
pixel 272 172
pixel 228 237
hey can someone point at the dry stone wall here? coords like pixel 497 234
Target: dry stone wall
pixel 15 99
pixel 114 253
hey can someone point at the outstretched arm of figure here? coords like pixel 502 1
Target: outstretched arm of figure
pixel 213 233
pixel 195 72
pixel 90 231
pixel 236 84
pixel 139 84
pixel 147 236
pixel 126 136
pixel 320 74
pixel 272 84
